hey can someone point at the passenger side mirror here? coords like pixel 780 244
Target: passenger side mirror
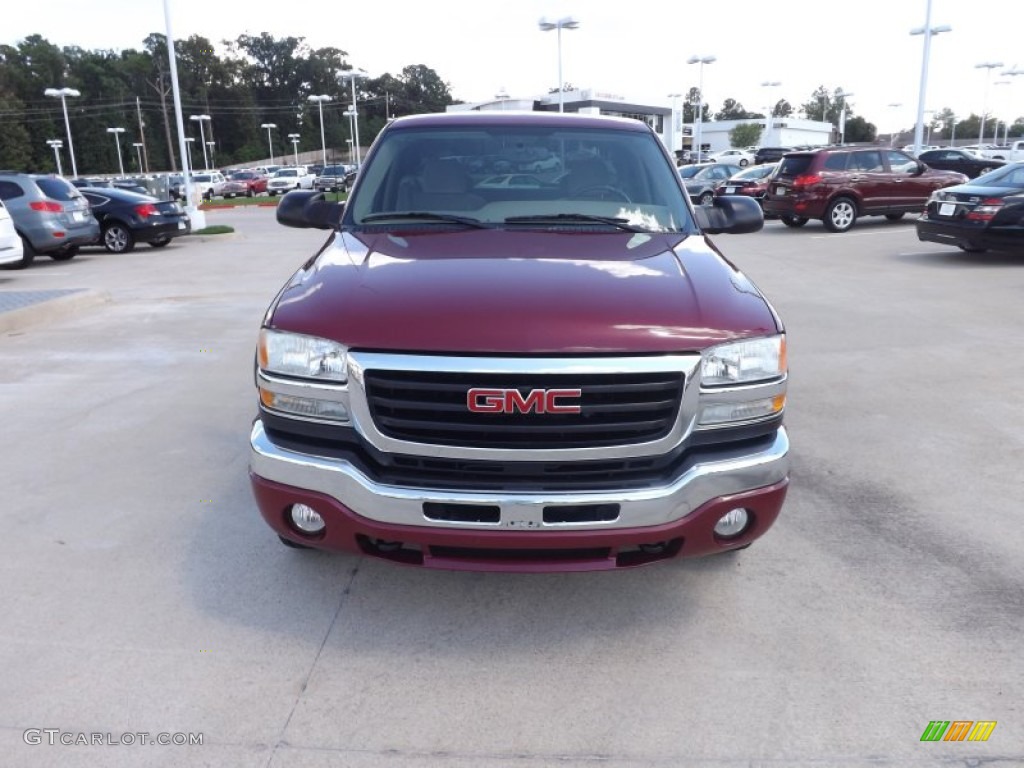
pixel 308 210
pixel 730 215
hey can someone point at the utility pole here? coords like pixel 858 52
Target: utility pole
pixel 142 134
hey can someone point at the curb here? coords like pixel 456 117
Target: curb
pixel 50 309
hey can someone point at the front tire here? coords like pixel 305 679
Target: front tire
pixel 159 242
pixel 744 163
pixel 972 249
pixel 706 198
pixel 117 238
pixel 894 216
pixel 840 215
pixel 793 221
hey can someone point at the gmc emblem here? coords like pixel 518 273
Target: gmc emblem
pixel 480 400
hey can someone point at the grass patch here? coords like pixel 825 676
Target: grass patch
pixel 331 197
pixel 216 229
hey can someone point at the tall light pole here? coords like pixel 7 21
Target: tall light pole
pixel 989 65
pixel 843 96
pixel 546 26
pixel 138 151
pixel 674 126
pixel 352 75
pixel 702 60
pixel 188 160
pixel 202 136
pixel 295 147
pixel 323 142
pixel 56 144
pixel 270 145
pixel 952 130
pixel 117 137
pixel 770 123
pixel 1006 123
pixel 62 94
pixel 892 136
pixel 210 143
pixel 929 32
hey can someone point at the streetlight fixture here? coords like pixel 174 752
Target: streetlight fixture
pixel 62 94
pixel 702 60
pixel 323 142
pixel 989 65
pixel 929 32
pixel 352 75
pixel 202 135
pixel 270 145
pixel 138 151
pixel 295 148
pixel 117 137
pixel 56 144
pixel 770 118
pixel 546 26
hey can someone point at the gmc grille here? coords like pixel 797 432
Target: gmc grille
pixel 615 409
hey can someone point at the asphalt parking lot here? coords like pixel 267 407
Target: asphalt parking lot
pixel 144 594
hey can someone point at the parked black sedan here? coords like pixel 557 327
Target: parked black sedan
pixel 127 218
pixel 952 159
pixel 984 214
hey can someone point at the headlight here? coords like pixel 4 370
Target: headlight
pixel 307 357
pixel 744 362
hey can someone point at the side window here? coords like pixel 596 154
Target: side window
pixel 9 190
pixel 901 163
pixel 837 162
pixel 869 161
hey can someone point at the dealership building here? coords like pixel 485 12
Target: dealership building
pixel 664 120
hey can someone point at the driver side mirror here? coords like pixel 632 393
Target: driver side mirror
pixel 308 210
pixel 731 215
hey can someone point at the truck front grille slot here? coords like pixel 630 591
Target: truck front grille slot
pixel 615 408
pixel 462 513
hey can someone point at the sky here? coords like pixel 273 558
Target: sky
pixel 634 48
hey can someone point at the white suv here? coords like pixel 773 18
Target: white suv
pixel 10 243
pixel 287 179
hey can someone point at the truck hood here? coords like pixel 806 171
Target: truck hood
pixel 496 291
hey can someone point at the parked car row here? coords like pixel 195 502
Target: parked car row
pixel 51 216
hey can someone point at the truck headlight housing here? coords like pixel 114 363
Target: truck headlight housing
pixel 743 382
pixel 744 362
pixel 304 357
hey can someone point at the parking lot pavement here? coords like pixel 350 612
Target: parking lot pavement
pixel 145 594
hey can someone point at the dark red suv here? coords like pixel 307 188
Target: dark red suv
pixel 840 184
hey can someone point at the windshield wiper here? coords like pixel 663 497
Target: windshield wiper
pixel 467 221
pixel 562 218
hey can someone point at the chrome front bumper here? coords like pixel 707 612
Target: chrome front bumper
pixel 389 504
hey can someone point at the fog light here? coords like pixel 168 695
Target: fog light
pixel 732 523
pixel 307 520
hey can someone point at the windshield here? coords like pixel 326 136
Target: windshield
pixel 572 176
pixel 281 174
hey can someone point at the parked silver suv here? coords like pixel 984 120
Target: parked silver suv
pixel 49 214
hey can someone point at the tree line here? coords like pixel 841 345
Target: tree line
pixel 258 80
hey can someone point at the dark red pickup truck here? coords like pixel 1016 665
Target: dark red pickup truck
pixel 562 375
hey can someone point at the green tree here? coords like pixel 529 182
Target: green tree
pixel 857 129
pixel 732 110
pixel 745 135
